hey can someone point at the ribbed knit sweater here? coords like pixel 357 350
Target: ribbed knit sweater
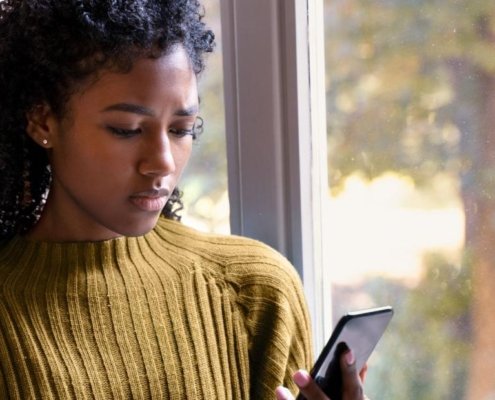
pixel 174 314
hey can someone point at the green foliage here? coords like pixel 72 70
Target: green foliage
pixel 407 93
pixel 424 353
pixel 393 98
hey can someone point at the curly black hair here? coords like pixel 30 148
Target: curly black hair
pixel 47 48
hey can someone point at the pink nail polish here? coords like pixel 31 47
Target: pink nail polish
pixel 301 378
pixel 283 393
pixel 349 357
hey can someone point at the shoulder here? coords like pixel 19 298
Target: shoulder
pixel 265 283
pixel 244 261
pixel 266 296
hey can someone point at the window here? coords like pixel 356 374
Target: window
pixel 410 106
pixel 274 181
pixel 204 183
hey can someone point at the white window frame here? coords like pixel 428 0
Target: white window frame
pixel 276 135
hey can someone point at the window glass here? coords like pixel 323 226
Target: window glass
pixel 204 183
pixel 411 142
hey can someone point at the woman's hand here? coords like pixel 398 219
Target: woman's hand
pixel 352 387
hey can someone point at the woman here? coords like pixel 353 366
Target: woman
pixel 103 293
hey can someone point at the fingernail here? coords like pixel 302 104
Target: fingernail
pixel 301 378
pixel 349 357
pixel 283 393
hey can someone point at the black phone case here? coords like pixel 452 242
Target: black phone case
pixel 331 381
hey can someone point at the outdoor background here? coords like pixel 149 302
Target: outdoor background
pixel 411 140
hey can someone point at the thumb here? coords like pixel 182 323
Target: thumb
pixel 352 388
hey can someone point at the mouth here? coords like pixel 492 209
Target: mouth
pixel 151 200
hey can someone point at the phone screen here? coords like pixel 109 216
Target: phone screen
pixel 358 330
pixel 361 331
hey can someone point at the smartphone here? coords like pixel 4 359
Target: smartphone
pixel 357 330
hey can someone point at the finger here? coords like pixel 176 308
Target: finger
pixel 352 389
pixel 282 393
pixel 308 387
pixel 363 372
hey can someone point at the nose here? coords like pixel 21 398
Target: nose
pixel 157 157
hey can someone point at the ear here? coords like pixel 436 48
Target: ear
pixel 41 125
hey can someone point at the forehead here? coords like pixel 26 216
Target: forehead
pixel 166 79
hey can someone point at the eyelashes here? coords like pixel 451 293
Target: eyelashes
pixel 125 133
pixel 195 131
pixel 180 133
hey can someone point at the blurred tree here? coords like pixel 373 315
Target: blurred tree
pixel 431 363
pixel 411 88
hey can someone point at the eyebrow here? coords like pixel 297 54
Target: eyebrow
pixel 141 110
pixel 187 112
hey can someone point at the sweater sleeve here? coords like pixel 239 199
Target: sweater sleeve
pixel 276 320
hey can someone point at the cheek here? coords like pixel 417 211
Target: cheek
pixel 91 163
pixel 182 154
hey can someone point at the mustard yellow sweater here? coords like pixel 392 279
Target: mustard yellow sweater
pixel 174 314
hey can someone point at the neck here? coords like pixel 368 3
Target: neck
pixel 53 227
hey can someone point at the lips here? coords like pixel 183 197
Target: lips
pixel 151 200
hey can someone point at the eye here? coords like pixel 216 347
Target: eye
pixel 180 133
pixel 195 131
pixel 124 133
